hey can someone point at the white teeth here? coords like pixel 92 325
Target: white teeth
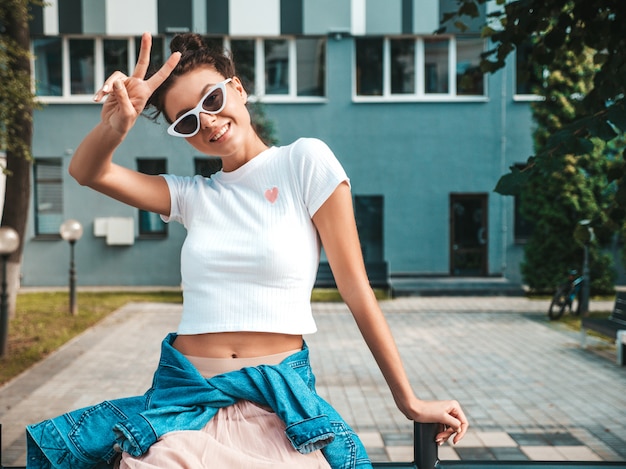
pixel 221 132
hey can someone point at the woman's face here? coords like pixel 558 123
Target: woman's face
pixel 223 134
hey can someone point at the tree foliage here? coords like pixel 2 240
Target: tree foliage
pixel 557 200
pixel 16 96
pixel 582 26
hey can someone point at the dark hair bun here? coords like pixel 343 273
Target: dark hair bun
pixel 189 42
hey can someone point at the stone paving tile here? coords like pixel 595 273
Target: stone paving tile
pixel 577 453
pixel 508 453
pixel 496 439
pixel 479 453
pixel 372 439
pixel 399 453
pixel 515 372
pixel 542 453
pixel 447 453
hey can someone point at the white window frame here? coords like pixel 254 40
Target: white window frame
pixel 67 97
pixel 418 95
pixel 259 72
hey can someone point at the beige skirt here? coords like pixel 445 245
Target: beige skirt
pixel 243 435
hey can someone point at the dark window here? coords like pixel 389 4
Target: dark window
pixel 276 66
pixel 436 65
pixel 115 56
pixel 528 76
pixel 244 56
pixel 369 67
pixel 368 211
pixel 311 66
pixel 150 224
pixel 469 78
pixel 82 66
pixel 403 66
pixel 48 192
pixel 48 66
pixel 157 51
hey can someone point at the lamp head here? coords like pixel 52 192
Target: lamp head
pixel 71 230
pixel 9 240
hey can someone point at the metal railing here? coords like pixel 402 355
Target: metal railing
pixel 425 453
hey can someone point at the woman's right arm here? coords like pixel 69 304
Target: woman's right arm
pixel 92 164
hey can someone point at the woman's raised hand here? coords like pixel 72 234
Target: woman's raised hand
pixel 127 95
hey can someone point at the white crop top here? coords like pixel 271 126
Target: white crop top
pixel 251 253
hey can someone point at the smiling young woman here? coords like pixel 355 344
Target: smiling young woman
pixel 234 387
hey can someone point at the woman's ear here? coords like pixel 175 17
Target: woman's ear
pixel 240 89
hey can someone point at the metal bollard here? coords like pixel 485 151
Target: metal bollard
pixel 425 449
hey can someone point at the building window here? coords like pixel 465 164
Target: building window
pixel 74 67
pixel 402 66
pixel 48 196
pixel 82 63
pixel 207 166
pixel 528 76
pixel 48 52
pixel 115 56
pixel 157 51
pixel 469 77
pixel 436 65
pixel 150 224
pixel 368 212
pixel 243 52
pixel 419 68
pixel 311 66
pixel 276 67
pixel 369 67
pixel 281 68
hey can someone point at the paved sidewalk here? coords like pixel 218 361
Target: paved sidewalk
pixel 528 389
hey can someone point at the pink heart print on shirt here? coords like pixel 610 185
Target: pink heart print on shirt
pixel 272 194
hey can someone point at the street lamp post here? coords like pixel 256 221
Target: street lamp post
pixel 9 241
pixel 71 231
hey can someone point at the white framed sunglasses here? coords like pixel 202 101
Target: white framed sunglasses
pixel 212 102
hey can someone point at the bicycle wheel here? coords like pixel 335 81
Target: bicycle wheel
pixel 558 304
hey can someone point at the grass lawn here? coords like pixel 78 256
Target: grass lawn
pixel 42 321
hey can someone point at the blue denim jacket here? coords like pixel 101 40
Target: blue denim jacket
pixel 181 399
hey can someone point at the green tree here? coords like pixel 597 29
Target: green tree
pixel 263 125
pixel 16 127
pixel 557 200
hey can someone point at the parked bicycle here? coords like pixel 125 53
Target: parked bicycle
pixel 567 295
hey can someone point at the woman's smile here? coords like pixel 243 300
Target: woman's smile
pixel 220 133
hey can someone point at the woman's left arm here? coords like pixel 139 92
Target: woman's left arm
pixel 337 228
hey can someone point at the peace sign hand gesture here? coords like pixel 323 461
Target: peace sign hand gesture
pixel 127 95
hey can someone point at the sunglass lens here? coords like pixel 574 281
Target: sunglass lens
pixel 187 125
pixel 214 101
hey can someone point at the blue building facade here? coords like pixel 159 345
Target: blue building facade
pixel 423 136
